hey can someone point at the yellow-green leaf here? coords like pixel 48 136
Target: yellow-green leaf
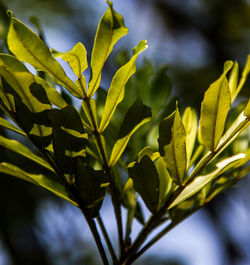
pixel 47 183
pixel 190 123
pixel 136 116
pixel 201 181
pixel 165 179
pixel 28 47
pixel 214 109
pixel 174 146
pixel 117 87
pixel 233 80
pixel 6 124
pixel 110 29
pixel 243 78
pixel 247 110
pixel 15 65
pixel 20 149
pixel 90 111
pixel 76 58
pixel 24 84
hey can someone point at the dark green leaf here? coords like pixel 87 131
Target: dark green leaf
pixel 69 138
pixel 91 185
pixel 146 182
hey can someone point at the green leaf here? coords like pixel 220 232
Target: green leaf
pixel 32 94
pixel 110 29
pixel 172 139
pixel 201 181
pixel 190 123
pixel 137 115
pixel 15 65
pixel 247 110
pixel 214 109
pixel 91 185
pixel 238 126
pixel 149 152
pixel 117 87
pixel 76 58
pixel 28 47
pixel 243 78
pixel 166 182
pixel 6 124
pixel 47 183
pixel 91 114
pixel 233 80
pixel 146 182
pixel 20 149
pixel 7 100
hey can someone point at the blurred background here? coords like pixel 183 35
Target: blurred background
pixel 193 38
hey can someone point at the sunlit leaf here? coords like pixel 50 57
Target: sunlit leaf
pixel 15 65
pixel 165 179
pixel 137 115
pixel 28 47
pixel 247 110
pixel 149 152
pixel 214 109
pixel 243 78
pixel 172 141
pixel 233 80
pixel 47 183
pixel 110 29
pixel 6 124
pixel 76 58
pixel 117 87
pixel 190 123
pixel 20 149
pixel 146 182
pixel 90 111
pixel 32 95
pixel 201 181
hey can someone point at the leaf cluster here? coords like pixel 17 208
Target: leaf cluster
pixel 174 161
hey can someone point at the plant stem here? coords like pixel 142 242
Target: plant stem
pixel 90 221
pixel 154 219
pixel 149 244
pixel 115 200
pixel 107 239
